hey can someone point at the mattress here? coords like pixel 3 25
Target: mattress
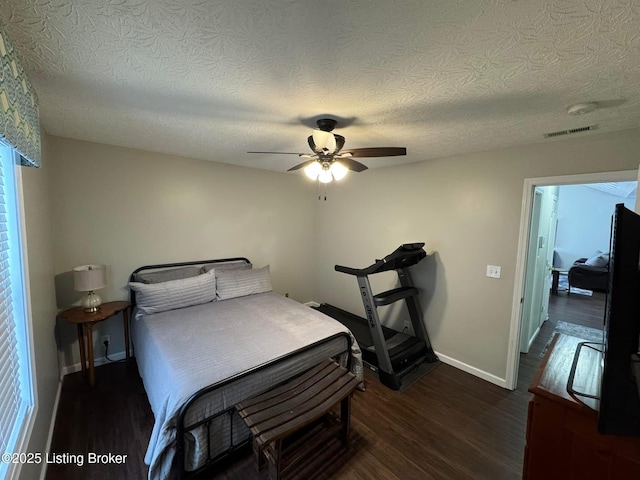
pixel 182 351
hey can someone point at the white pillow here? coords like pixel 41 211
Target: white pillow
pixel 166 275
pixel 160 297
pixel 598 259
pixel 238 283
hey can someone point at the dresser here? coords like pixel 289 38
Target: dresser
pixel 562 437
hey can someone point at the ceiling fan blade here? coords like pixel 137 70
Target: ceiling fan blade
pixel 301 165
pixel 339 142
pixel 281 153
pixel 377 151
pixel 352 165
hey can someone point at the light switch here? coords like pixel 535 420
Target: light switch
pixel 493 271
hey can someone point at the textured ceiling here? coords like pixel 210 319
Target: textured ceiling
pixel 213 79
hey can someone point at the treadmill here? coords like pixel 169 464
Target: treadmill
pixel 398 358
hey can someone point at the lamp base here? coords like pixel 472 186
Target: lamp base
pixel 91 302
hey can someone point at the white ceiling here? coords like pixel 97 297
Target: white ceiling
pixel 627 190
pixel 213 79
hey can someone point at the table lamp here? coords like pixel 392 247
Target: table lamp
pixel 88 278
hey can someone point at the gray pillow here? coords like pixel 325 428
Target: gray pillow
pixel 598 259
pixel 238 283
pixel 160 297
pixel 238 265
pixel 166 275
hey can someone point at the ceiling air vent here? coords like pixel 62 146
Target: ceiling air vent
pixel 569 132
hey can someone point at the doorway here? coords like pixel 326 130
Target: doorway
pixel 536 250
pixel 539 259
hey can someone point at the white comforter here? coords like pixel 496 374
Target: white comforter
pixel 181 351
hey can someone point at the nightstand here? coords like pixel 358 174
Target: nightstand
pixel 85 322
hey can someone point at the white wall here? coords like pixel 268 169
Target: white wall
pixel 584 222
pixel 467 209
pixel 127 208
pixel 39 240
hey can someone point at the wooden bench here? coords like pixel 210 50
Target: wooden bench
pixel 278 418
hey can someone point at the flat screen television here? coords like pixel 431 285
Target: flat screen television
pixel 619 412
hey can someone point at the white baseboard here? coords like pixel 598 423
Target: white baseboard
pixel 76 367
pixel 52 424
pixel 501 382
pixel 533 338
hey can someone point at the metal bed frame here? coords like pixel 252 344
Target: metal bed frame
pixel 181 428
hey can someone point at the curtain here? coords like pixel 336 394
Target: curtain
pixel 19 121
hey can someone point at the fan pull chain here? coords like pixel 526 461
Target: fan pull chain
pixel 320 195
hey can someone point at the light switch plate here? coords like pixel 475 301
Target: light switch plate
pixel 494 271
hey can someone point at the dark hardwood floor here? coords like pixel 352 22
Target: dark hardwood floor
pixel 584 310
pixel 113 417
pixel 449 425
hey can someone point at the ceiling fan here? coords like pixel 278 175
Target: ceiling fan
pixel 328 161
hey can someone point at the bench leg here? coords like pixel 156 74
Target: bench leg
pixel 275 466
pixel 345 419
pixel 258 455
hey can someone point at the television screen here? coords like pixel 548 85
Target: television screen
pixel 619 395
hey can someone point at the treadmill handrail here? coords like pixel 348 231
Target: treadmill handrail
pixel 349 270
pixel 405 255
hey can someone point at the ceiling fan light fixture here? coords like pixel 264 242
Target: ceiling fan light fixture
pixel 324 141
pixel 328 162
pixel 338 170
pixel 313 170
pixel 325 176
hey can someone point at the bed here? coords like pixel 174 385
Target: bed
pixel 200 353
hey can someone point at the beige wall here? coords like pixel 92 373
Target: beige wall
pixel 39 240
pixel 467 209
pixel 127 208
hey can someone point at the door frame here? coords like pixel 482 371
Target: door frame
pixel 530 271
pixel 513 355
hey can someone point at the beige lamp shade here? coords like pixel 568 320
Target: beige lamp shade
pixel 87 278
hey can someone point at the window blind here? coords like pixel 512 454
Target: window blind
pixel 13 404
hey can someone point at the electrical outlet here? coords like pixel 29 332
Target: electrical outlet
pixel 105 338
